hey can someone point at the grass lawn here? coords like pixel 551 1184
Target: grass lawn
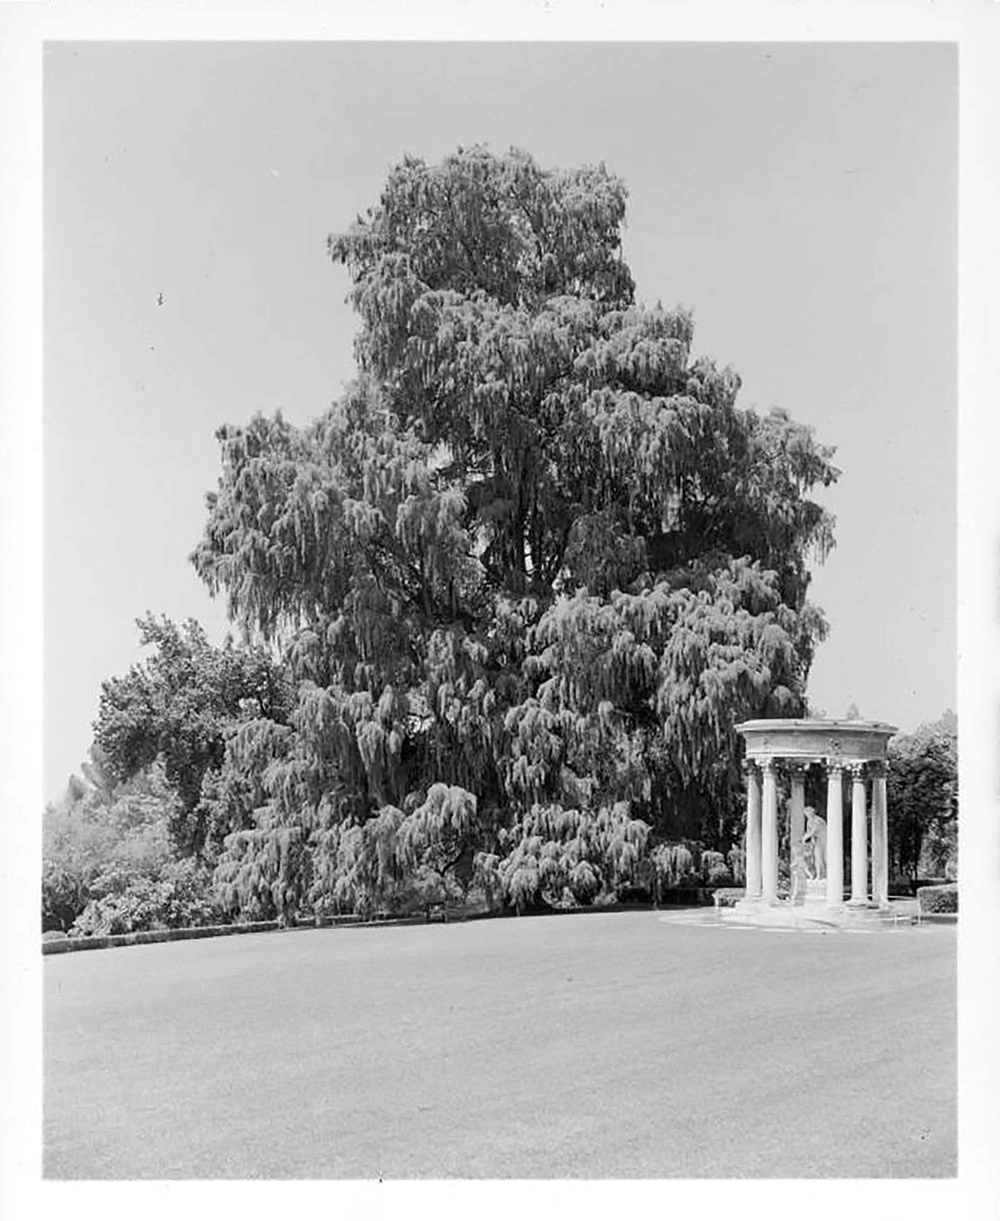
pixel 599 1045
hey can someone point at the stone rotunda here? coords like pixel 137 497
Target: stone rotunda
pixel 847 751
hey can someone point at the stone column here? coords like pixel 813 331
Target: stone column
pixel 797 826
pixel 753 858
pixel 834 834
pixel 880 839
pixel 859 838
pixel 769 834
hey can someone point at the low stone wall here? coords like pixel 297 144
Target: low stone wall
pixel 65 945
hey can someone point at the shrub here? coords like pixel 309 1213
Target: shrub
pixel 938 900
pixel 714 868
pixel 178 898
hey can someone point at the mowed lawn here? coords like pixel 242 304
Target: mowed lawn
pixel 597 1045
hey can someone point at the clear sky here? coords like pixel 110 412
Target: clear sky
pixel 799 198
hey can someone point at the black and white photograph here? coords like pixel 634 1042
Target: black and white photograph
pixel 501 512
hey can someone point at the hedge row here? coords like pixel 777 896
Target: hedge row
pixel 938 900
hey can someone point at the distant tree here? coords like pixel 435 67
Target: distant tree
pixel 536 558
pixel 922 790
pixel 102 839
pixel 179 707
pixel 76 842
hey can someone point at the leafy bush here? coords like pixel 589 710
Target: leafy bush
pixel 714 868
pixel 178 898
pixel 938 900
pixel 127 911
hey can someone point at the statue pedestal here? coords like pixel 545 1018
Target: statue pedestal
pixel 816 891
pixel 810 911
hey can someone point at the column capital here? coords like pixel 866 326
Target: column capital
pixel 877 769
pixel 796 768
pixel 748 766
pixel 768 765
pixel 834 766
pixel 857 770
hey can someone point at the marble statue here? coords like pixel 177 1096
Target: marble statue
pixel 815 837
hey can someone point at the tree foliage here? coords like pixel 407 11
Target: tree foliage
pixel 178 708
pixel 506 599
pixel 536 556
pixel 922 795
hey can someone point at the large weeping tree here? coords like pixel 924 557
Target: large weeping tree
pixel 527 574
